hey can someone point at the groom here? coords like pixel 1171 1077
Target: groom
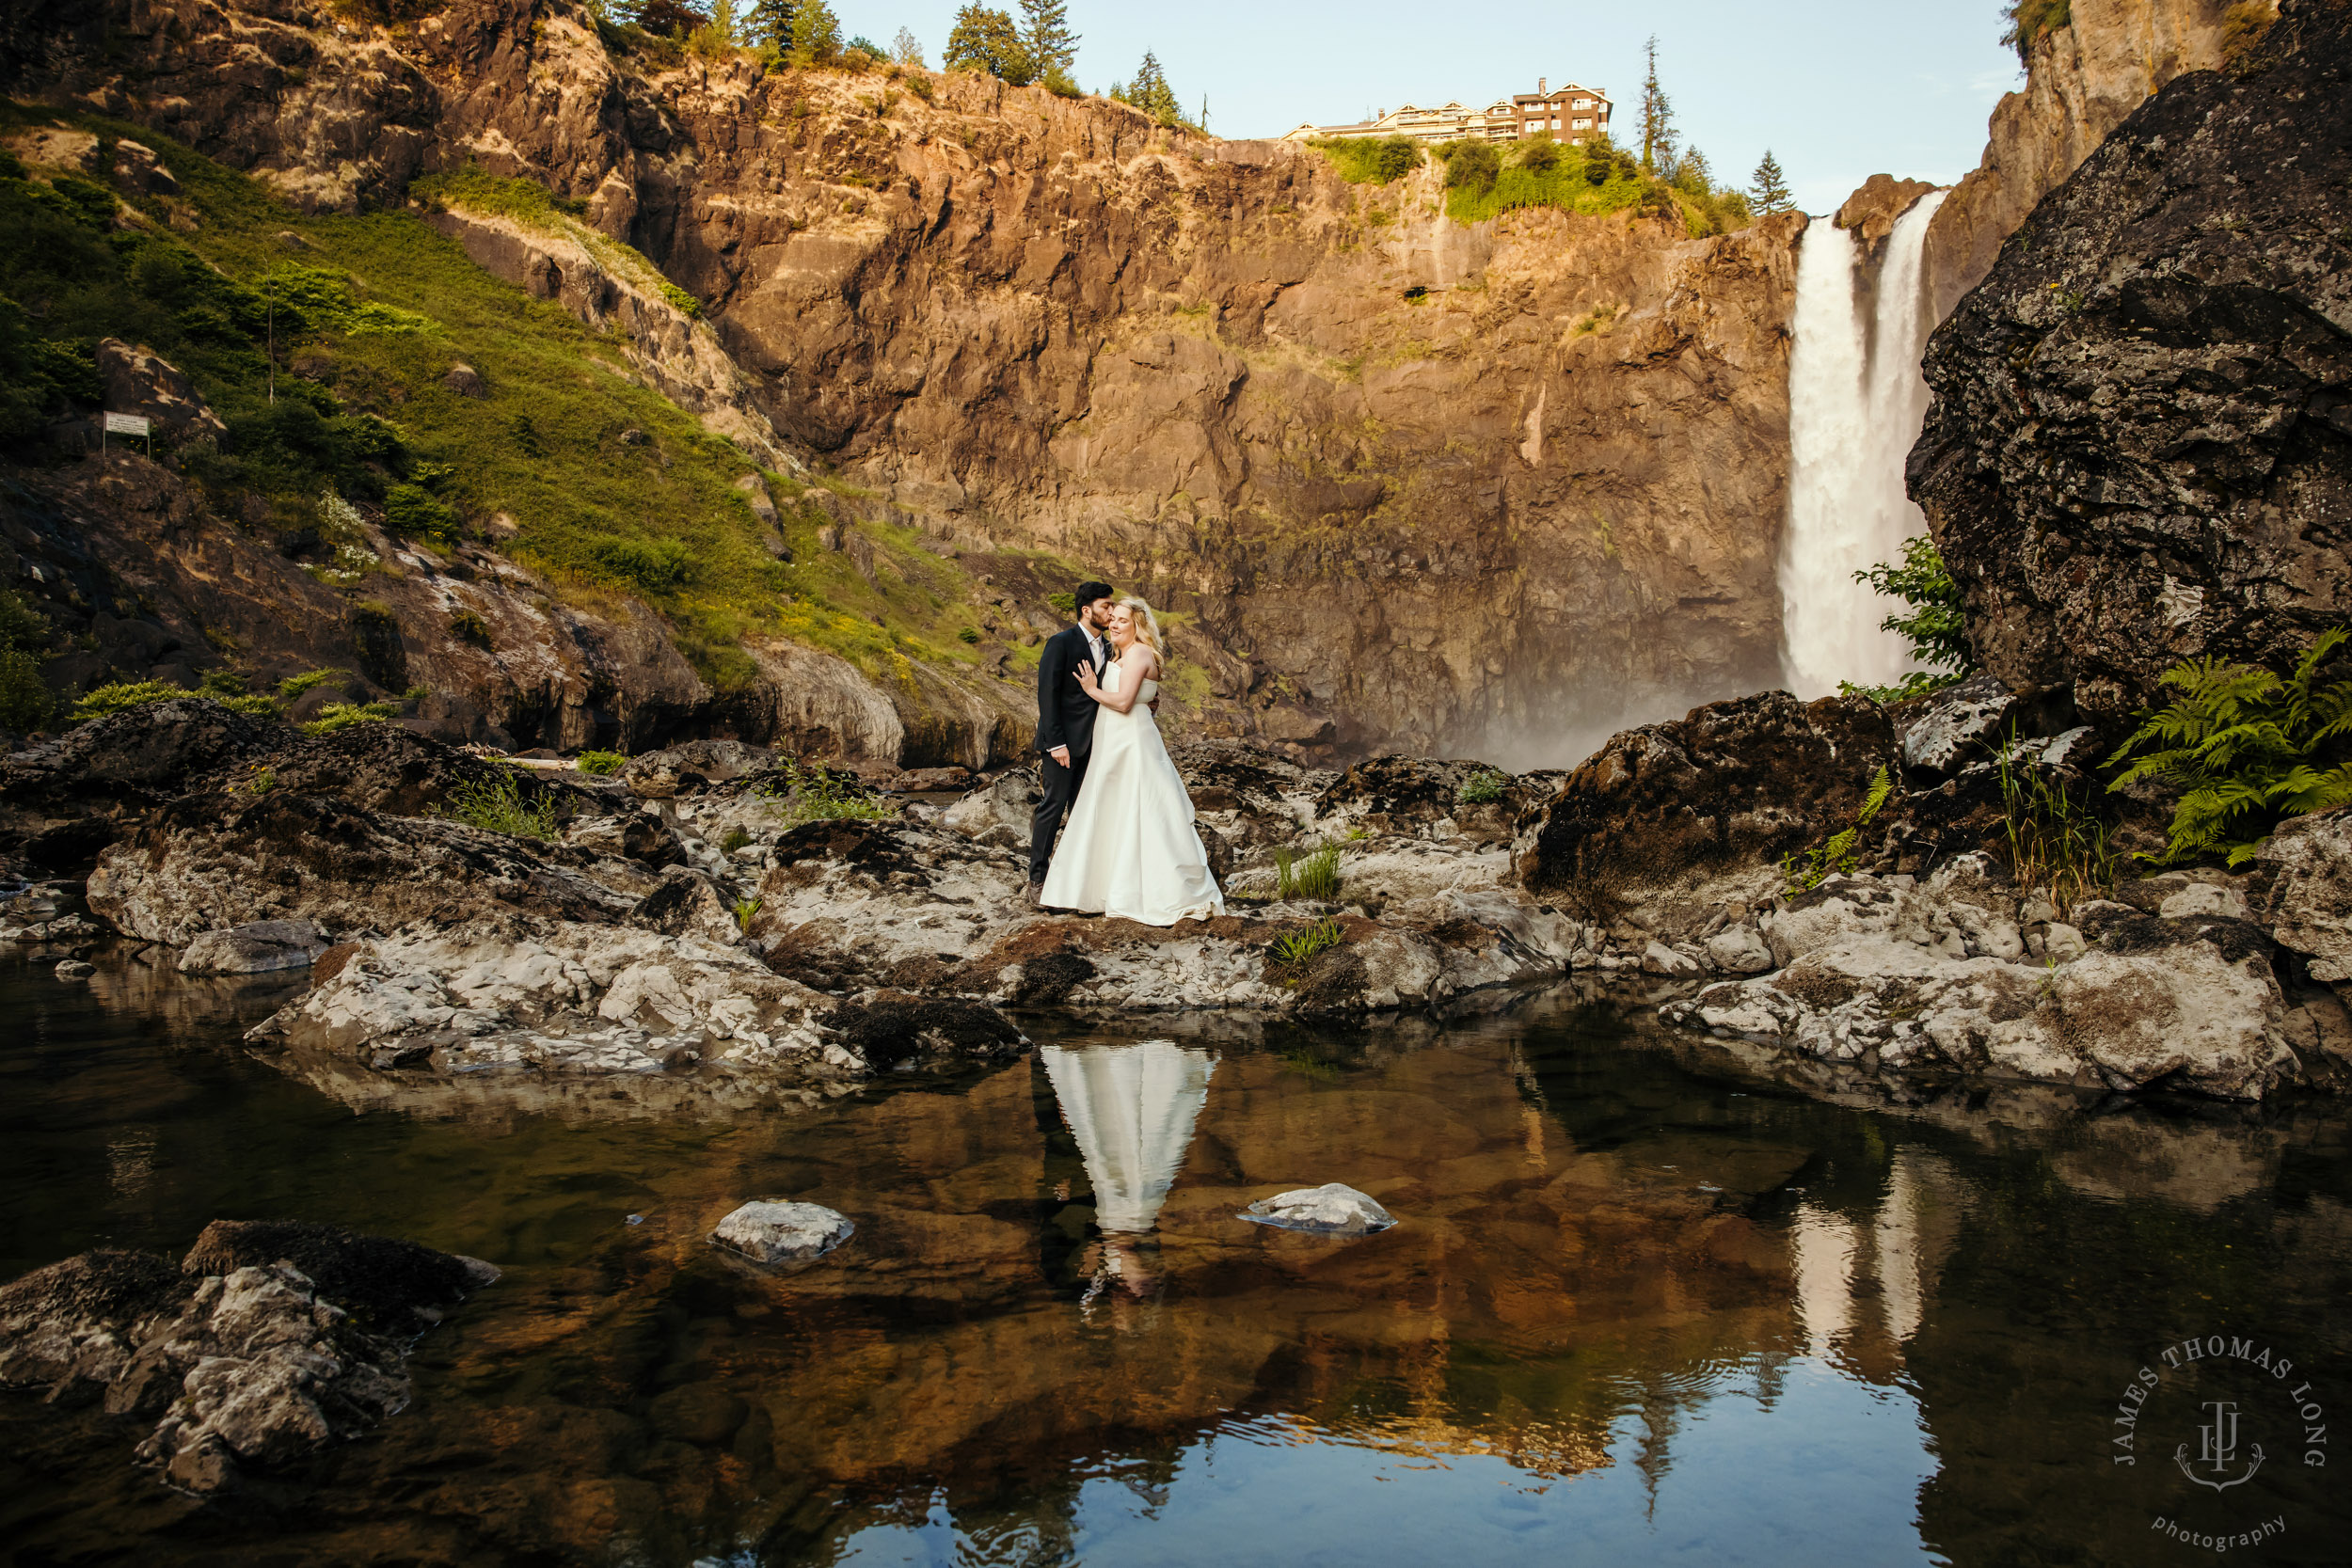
pixel 1065 720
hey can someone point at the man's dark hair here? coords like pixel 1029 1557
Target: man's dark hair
pixel 1090 592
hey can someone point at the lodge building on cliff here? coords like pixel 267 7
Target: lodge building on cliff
pixel 1570 113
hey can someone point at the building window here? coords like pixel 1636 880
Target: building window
pixel 1583 125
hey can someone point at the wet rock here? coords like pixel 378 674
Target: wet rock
pixel 254 948
pixel 773 1232
pixel 2141 340
pixel 265 1342
pixel 2308 907
pixel 76 969
pixel 927 780
pixel 1658 959
pixel 659 775
pixel 1731 788
pixel 1333 1209
pixel 890 1028
pixel 1958 724
pixel 686 900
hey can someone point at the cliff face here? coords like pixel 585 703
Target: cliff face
pixel 1405 483
pixel 2081 81
pixel 2140 447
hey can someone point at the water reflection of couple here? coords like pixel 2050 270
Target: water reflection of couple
pixel 1132 1109
pixel 1131 848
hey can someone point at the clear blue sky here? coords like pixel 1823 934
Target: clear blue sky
pixel 1838 89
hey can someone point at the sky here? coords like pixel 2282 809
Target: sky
pixel 1838 89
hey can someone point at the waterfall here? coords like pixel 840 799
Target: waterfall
pixel 1855 402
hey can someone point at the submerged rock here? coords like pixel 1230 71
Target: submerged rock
pixel 769 1232
pixel 264 1343
pixel 254 948
pixel 1333 1209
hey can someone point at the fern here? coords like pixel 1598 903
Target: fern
pixel 1812 867
pixel 2246 750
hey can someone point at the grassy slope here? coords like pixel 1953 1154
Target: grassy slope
pixel 1564 187
pixel 599 517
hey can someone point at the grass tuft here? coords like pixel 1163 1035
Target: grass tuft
pixel 497 806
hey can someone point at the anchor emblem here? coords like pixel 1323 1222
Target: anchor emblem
pixel 2216 1448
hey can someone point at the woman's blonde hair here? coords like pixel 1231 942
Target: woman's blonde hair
pixel 1147 626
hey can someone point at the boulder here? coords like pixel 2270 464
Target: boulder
pixel 2161 337
pixel 890 1028
pixel 137 381
pixel 466 381
pixel 2308 907
pixel 998 812
pixel 254 948
pixel 1731 788
pixel 1333 1209
pixel 1957 725
pixel 265 1342
pixel 775 1233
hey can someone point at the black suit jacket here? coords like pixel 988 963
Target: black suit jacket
pixel 1065 714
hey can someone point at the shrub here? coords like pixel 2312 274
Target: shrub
pixel 1293 950
pixel 818 793
pixel 651 566
pixel 746 910
pixel 343 716
pixel 1372 160
pixel 468 626
pixel 603 764
pixel 1066 603
pixel 921 87
pixel 497 806
pixel 968 635
pixel 122 696
pixel 737 839
pixel 1936 629
pixel 1482 788
pixel 295 686
pixel 680 301
pixel 413 512
pixel 24 702
pixel 1808 869
pixel 2247 749
pixel 1541 154
pixel 2030 20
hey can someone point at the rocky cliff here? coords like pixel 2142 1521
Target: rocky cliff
pixel 2140 447
pixel 2081 80
pixel 1403 482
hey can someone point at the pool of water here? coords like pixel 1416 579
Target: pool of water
pixel 1648 1302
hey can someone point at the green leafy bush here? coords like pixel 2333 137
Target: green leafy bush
pixel 603 764
pixel 413 512
pixel 343 716
pixel 25 700
pixel 295 686
pixel 968 635
pixel 1936 627
pixel 2247 749
pixel 745 911
pixel 497 806
pixel 815 793
pixel 736 838
pixel 1371 160
pixel 1473 164
pixel 648 565
pixel 1066 603
pixel 468 626
pixel 2030 20
pixel 1482 788
pixel 121 696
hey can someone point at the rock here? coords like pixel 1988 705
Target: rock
pixel 139 382
pixel 1870 212
pixel 775 1233
pixel 1731 788
pixel 930 780
pixel 1740 950
pixel 76 969
pixel 1331 1210
pixel 1658 959
pixel 466 381
pixel 890 1028
pixel 2308 906
pixel 248 1364
pixel 253 948
pixel 998 812
pixel 1958 724
pixel 2061 944
pixel 137 168
pixel 2087 364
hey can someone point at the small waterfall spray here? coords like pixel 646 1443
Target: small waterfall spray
pixel 1855 402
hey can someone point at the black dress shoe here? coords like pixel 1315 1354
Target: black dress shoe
pixel 1035 895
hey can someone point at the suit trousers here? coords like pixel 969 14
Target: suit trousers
pixel 1061 792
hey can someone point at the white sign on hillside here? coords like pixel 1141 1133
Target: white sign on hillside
pixel 126 425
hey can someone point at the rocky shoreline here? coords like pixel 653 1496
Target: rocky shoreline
pixel 681 921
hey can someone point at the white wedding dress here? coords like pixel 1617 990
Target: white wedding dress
pixel 1131 849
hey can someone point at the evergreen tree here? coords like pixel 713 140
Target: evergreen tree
pixel 664 18
pixel 816 33
pixel 865 45
pixel 1045 31
pixel 985 40
pixel 722 31
pixel 907 49
pixel 1658 117
pixel 1150 92
pixel 769 22
pixel 1768 188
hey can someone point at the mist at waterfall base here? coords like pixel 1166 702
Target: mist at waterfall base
pixel 1855 402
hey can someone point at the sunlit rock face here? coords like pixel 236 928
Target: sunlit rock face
pixel 1497 489
pixel 2139 450
pixel 2081 81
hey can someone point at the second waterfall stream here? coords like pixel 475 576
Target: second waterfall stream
pixel 1855 402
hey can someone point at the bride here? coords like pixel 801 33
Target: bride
pixel 1130 849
